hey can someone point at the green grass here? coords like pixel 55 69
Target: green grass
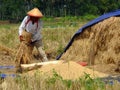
pixel 43 81
pixel 9 35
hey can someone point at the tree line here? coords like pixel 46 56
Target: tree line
pixel 17 9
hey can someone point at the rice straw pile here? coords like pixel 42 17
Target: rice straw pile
pixel 99 43
pixel 7 49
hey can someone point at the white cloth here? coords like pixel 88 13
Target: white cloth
pixel 32 28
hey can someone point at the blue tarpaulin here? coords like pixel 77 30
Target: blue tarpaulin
pixel 91 23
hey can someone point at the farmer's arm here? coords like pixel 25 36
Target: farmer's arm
pixel 22 26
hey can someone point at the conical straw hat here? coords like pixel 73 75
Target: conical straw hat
pixel 35 13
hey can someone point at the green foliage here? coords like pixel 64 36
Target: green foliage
pixel 91 84
pixel 16 10
pixel 68 83
pixel 60 49
pixel 56 82
pixel 88 17
pixel 23 82
pixel 54 78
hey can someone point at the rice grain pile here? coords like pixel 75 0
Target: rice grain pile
pixel 99 43
pixel 68 70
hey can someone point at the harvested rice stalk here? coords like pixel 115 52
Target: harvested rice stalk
pixel 118 67
pixel 24 54
pixel 8 50
pixel 91 57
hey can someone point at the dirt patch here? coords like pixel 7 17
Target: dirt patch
pixel 4 22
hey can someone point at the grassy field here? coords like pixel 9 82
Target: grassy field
pixel 56 35
pixel 42 81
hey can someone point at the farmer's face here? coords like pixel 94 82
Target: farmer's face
pixel 34 19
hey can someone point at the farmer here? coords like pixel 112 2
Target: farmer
pixel 32 24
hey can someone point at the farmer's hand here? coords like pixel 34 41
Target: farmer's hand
pixel 21 38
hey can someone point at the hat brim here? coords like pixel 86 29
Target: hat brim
pixel 34 16
pixel 35 13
